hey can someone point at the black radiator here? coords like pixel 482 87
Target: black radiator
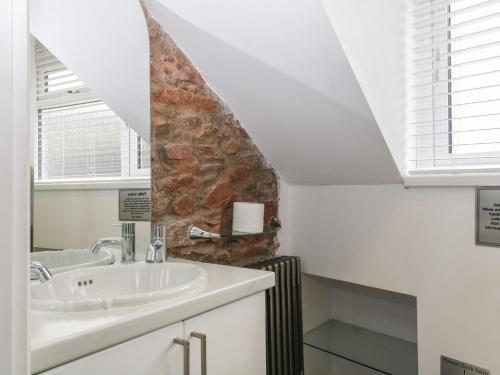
pixel 285 353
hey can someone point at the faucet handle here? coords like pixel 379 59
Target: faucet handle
pixel 158 232
pixel 157 251
pixel 128 229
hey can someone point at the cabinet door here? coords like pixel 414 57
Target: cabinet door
pixel 236 338
pixel 151 354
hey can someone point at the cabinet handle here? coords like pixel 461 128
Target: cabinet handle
pixel 203 339
pixel 185 350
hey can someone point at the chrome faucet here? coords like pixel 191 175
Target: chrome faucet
pixel 43 272
pixel 127 242
pixel 157 251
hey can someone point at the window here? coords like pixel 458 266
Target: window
pixel 455 106
pixel 77 136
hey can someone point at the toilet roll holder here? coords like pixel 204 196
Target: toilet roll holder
pixel 196 233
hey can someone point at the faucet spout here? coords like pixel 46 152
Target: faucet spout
pixel 43 272
pixel 105 241
pixel 126 241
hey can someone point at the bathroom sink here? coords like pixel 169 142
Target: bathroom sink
pixel 100 288
pixel 71 259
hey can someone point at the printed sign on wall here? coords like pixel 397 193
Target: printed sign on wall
pixel 134 205
pixel 488 216
pixel 450 366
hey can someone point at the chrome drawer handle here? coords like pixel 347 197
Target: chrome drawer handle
pixel 203 339
pixel 185 350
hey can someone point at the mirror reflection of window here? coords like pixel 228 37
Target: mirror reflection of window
pixel 77 136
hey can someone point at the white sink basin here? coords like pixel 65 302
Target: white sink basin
pixel 116 286
pixel 71 259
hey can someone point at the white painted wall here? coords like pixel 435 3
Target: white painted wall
pixel 74 219
pixel 14 186
pixel 393 314
pixel 316 301
pixel 415 241
pixel 106 44
pixel 287 79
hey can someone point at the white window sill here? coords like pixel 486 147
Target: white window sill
pixel 102 184
pixel 452 180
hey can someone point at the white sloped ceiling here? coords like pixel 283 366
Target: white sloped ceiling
pixel 375 48
pixel 281 68
pixel 106 44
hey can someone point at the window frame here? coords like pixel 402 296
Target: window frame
pixel 465 176
pixel 111 183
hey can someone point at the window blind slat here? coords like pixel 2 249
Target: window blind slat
pixel 454 105
pixel 455 132
pixel 417 99
pixel 459 157
pixel 476 48
pixel 449 41
pixel 450 67
pixel 83 119
pixel 437 32
pixel 454 79
pixel 455 145
pixel 444 14
pixel 455 118
pixel 424 9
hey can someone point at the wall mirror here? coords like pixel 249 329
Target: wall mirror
pixel 91 116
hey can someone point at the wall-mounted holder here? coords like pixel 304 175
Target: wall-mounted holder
pixel 196 233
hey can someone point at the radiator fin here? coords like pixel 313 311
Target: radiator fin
pixel 285 353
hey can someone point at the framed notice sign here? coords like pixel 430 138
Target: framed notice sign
pixel 450 366
pixel 134 205
pixel 488 216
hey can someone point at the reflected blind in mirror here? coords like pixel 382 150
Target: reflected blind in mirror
pixel 77 136
pixel 455 86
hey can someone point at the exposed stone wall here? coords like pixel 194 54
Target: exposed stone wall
pixel 202 161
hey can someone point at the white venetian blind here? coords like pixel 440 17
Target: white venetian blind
pixel 77 136
pixel 455 110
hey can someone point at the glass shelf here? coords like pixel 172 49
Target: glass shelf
pixel 197 233
pixel 374 350
pixel 244 234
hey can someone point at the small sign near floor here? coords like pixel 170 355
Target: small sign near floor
pixel 450 366
pixel 134 205
pixel 488 216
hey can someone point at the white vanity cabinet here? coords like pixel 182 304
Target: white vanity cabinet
pixel 151 354
pixel 235 344
pixel 236 338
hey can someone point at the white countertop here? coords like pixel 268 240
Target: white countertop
pixel 57 338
